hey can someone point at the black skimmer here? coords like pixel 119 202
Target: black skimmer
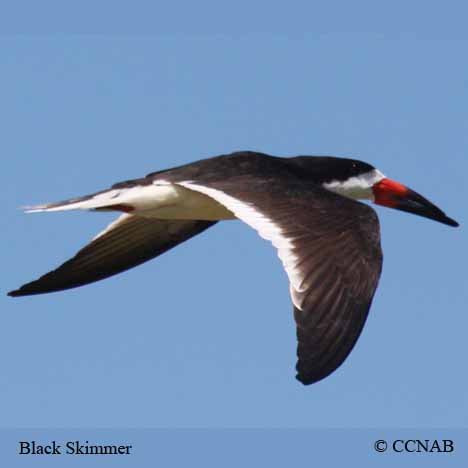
pixel 328 242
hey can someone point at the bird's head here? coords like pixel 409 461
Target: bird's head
pixel 359 180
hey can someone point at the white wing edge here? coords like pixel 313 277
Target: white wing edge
pixel 265 227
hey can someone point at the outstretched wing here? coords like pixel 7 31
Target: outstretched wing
pixel 125 243
pixel 330 249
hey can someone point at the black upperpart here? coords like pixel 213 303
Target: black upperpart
pixel 317 169
pixel 324 169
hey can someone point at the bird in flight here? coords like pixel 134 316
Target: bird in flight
pixel 306 206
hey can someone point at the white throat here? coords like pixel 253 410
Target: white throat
pixel 357 187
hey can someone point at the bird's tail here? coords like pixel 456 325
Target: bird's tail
pixel 112 199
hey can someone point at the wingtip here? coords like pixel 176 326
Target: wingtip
pixel 14 293
pixel 312 377
pixel 25 291
pixel 307 380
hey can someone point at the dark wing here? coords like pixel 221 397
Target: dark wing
pixel 125 243
pixel 330 248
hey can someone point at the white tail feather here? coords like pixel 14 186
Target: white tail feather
pixel 97 201
pixel 140 198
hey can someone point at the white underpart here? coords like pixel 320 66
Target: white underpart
pixel 265 227
pixel 181 203
pixel 358 187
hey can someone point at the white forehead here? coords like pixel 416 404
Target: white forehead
pixel 357 187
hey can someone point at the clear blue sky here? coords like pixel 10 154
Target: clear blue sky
pixel 204 335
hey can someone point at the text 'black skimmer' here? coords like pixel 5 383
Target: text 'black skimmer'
pixel 328 242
